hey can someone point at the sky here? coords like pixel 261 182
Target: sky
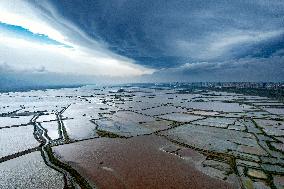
pixel 81 41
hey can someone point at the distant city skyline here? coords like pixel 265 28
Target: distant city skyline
pixel 80 41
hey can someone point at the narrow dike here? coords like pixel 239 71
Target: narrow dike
pixel 72 179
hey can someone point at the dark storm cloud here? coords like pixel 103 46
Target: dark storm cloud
pixel 244 69
pixel 159 31
pixel 175 36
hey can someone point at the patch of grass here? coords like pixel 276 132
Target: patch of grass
pixel 107 134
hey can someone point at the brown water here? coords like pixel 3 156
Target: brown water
pixel 137 162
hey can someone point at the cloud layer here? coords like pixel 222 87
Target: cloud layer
pixel 71 51
pixel 170 40
pixel 172 34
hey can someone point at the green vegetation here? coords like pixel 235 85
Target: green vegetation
pixel 107 134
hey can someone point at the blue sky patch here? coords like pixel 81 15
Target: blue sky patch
pixel 24 33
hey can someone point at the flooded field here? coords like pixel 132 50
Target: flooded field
pixel 140 137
